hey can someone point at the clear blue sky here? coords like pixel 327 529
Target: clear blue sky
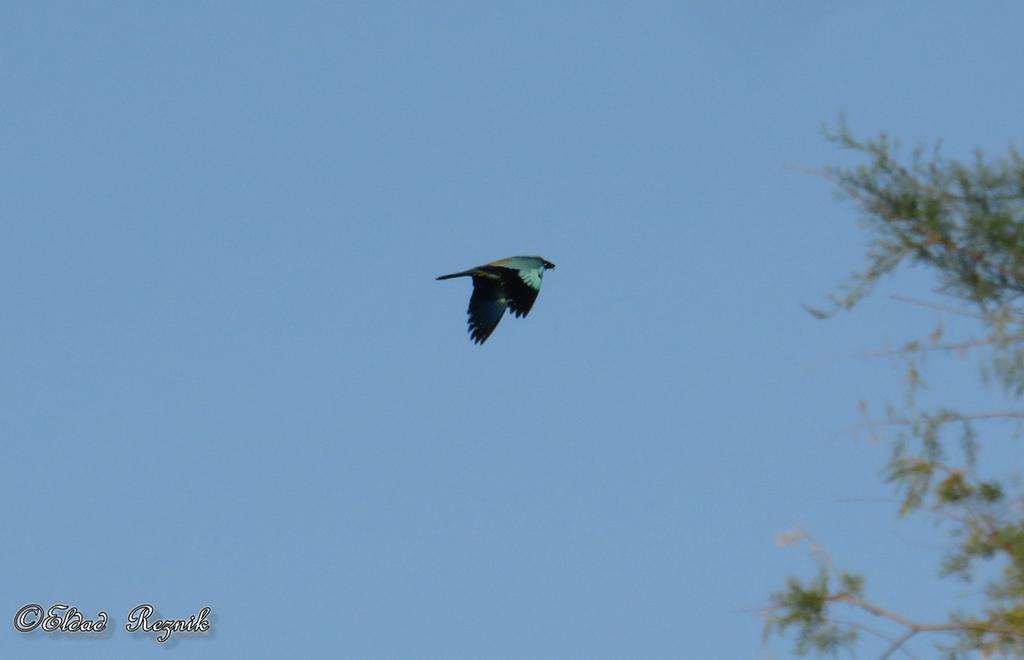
pixel 228 377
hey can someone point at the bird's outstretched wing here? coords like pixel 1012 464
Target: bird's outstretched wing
pixel 486 306
pixel 522 287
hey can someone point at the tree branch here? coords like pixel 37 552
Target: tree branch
pixel 916 627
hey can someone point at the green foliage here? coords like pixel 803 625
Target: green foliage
pixel 965 223
pixel 805 608
pixel 962 220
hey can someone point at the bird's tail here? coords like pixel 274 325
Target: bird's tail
pixel 465 273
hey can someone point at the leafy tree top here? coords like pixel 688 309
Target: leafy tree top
pixel 964 222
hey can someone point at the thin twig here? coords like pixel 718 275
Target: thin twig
pixel 950 418
pixel 897 645
pixel 872 631
pixel 938 306
pixel 948 346
pixel 803 169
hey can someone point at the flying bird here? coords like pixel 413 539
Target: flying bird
pixel 513 283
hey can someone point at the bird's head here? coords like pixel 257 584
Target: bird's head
pixel 548 265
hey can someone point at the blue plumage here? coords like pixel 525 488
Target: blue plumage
pixel 511 283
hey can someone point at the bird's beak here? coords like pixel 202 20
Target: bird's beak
pixel 550 266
